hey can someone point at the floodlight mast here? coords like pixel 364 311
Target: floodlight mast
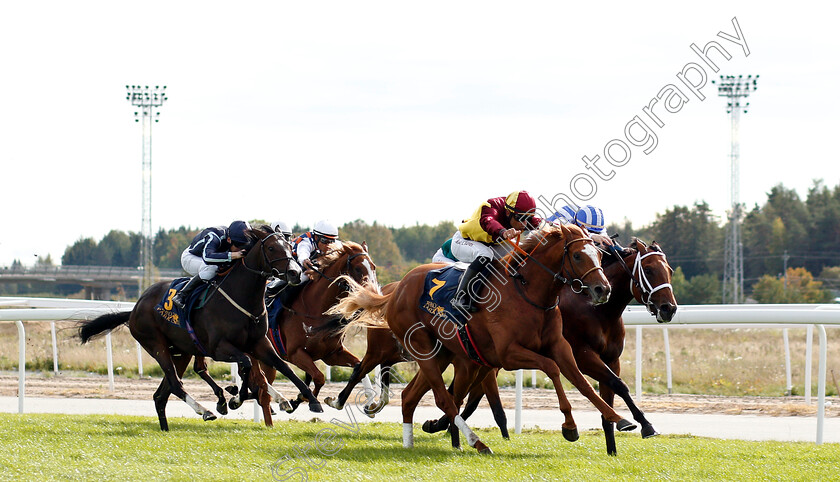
pixel 734 89
pixel 148 100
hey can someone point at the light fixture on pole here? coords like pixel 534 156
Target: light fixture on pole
pixel 734 88
pixel 148 100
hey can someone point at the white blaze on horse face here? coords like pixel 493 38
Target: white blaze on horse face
pixel 371 274
pixel 590 250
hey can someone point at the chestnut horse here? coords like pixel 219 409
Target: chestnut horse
pixel 596 333
pixel 231 325
pixel 518 325
pixel 309 335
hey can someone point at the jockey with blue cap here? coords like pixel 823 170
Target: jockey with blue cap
pixel 211 248
pixel 589 217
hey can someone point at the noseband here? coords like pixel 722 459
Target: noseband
pixel 637 276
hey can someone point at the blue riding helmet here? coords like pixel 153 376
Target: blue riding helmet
pixel 590 218
pixel 236 233
pixel 567 214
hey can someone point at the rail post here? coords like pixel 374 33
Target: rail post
pixel 21 364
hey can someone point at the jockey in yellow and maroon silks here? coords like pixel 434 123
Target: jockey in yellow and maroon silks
pixel 478 239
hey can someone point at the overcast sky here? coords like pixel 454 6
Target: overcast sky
pixel 395 112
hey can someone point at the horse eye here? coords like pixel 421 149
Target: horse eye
pixel 648 271
pixel 577 256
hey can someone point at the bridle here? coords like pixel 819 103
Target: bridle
pixel 575 282
pixel 640 280
pixel 270 262
pixel 264 274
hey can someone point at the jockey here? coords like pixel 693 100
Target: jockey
pixel 480 238
pixel 276 285
pixel 312 244
pixel 282 228
pixel 209 249
pixel 589 217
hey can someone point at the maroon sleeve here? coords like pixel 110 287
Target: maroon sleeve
pixel 493 217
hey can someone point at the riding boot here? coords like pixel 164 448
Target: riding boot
pixel 288 295
pixel 275 287
pixel 463 301
pixel 180 298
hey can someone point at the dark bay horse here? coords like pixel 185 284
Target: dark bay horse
pixel 307 333
pixel 596 332
pixel 517 326
pixel 231 325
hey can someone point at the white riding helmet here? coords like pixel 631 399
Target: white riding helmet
pixel 325 229
pixel 281 227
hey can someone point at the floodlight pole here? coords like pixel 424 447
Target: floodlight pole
pixel 734 88
pixel 148 99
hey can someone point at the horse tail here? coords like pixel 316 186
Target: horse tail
pixel 91 329
pixel 364 306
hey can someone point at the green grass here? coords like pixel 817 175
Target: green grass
pixel 94 447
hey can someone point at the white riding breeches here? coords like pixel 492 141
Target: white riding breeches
pixel 195 265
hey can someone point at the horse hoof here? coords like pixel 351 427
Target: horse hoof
pixel 648 431
pixel 486 451
pixel 333 402
pixel 272 411
pixel 233 404
pixel 428 426
pixel 286 406
pixel 233 390
pixel 625 425
pixel 315 406
pixel 221 407
pixel 293 405
pixel 570 434
pixel 208 416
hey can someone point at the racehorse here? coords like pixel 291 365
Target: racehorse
pixel 596 333
pixel 309 335
pixel 517 326
pixel 304 333
pixel 232 324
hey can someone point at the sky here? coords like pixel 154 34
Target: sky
pixel 398 112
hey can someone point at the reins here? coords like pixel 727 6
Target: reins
pixel 263 274
pixel 556 276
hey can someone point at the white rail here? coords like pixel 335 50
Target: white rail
pixel 704 316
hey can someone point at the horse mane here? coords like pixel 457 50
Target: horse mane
pixel 331 256
pixel 547 232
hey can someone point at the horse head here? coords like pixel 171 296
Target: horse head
pixel 270 254
pixel 353 260
pixel 574 259
pixel 651 280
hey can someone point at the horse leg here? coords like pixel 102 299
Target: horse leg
pixel 200 367
pixel 411 395
pixel 617 385
pixel 562 354
pixel 491 388
pixel 302 360
pixel 173 368
pixel 257 379
pixel 265 353
pixel 384 391
pixel 270 376
pixel 445 401
pixel 516 356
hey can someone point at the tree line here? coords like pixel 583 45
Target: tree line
pixel 791 246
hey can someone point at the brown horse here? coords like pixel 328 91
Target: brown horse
pixel 232 324
pixel 517 326
pixel 309 335
pixel 596 333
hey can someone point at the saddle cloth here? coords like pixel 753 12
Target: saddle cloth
pixel 439 289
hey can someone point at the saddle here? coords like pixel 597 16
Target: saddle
pixel 171 313
pixel 439 289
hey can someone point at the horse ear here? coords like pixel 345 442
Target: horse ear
pixel 364 246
